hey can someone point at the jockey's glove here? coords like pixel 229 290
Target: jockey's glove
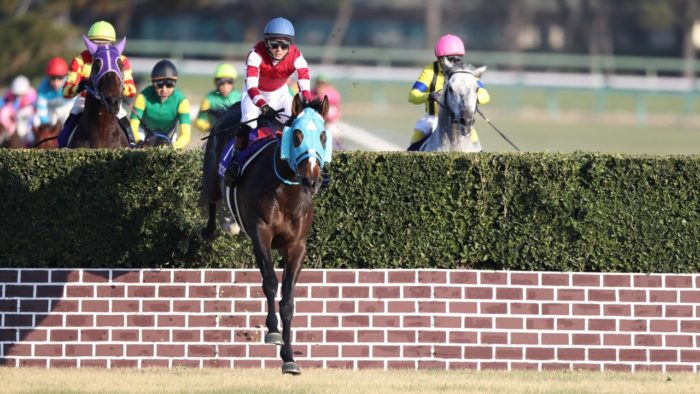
pixel 268 112
pixel 435 95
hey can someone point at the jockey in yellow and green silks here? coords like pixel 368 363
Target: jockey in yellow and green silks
pixel 426 90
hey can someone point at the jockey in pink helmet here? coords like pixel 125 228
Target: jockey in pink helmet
pixel 449 50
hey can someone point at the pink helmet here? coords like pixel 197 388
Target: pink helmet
pixel 449 45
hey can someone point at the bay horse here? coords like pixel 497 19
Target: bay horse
pixel 455 128
pixel 273 204
pixel 99 126
pixel 46 135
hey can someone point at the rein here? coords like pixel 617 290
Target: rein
pixel 277 174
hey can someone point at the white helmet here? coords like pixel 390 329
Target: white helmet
pixel 20 85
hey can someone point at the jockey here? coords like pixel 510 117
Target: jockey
pixel 160 107
pixel 426 90
pixel 100 33
pixel 269 65
pixel 51 106
pixel 220 99
pixel 17 109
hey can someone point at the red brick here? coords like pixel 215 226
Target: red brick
pixel 386 321
pixel 679 340
pixel 340 364
pixel 633 325
pixel 571 354
pixel 555 309
pixel 463 337
pixel 187 306
pixel 670 296
pixel 386 292
pixel 648 368
pixel 447 352
pixel 663 355
pixel 663 326
pixel 188 276
pixel 447 321
pixel 492 338
pixel 555 279
pixel 248 306
pixel 462 307
pixel 555 339
pixel 63 363
pixel 78 350
pixel 493 278
pixel 493 366
pixel 109 350
pixel 17 350
pixel 201 350
pixel 539 353
pixel 372 276
pixel 210 306
pixel 34 276
pixel 679 281
pixel 417 292
pixel 110 291
pixel 448 292
pixel 416 321
pixel 401 276
pixel 202 321
pixel 349 351
pixel 340 307
pixel 524 278
pixel 313 336
pixel 648 311
pixel 48 350
pixel 478 322
pixel 647 280
pixel 509 293
pixel 602 325
pixel 139 350
pixel 509 353
pixel 463 277
pixel 432 307
pixel 41 320
pixel 478 352
pixel 617 339
pixel 125 306
pixel 16 320
pixel 386 351
pixel 9 275
pixel 632 295
pixel 217 276
pixel 539 294
pixel 141 291
pixel 232 291
pixel 555 366
pixel 157 276
pixel 12 291
pixel 65 276
pixel 125 335
pixel 493 308
pixel 432 276
pixel 187 335
pixel 678 311
pixel 617 280
pixel 372 307
pixel 29 335
pixel 585 339
pixel 571 324
pixel 92 305
pixel 585 280
pixel 68 335
pixel 355 321
pixel 479 293
pixel 633 355
pixel 150 363
pixel 140 320
pixel 602 354
pixel 602 295
pixel 688 326
pixel 367 336
pixel 48 291
pixel 308 306
pixel 366 364
pixel 519 308
pixel 523 366
pixel 509 323
pixel 202 291
pixel 642 340
pixel 325 321
pixel 539 324
pixel 585 309
pixel 690 296
pixel 33 305
pixel 79 320
pixel 679 368
pixel 166 350
pixel 523 338
pixel 430 364
pixel 126 276
pixel 340 336
pixel 586 367
pixel 617 310
pixel 401 336
pixel 340 276
pixel 307 276
pixel 355 292
pixel 690 356
pixel 571 295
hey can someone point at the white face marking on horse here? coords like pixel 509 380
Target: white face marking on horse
pixel 312 163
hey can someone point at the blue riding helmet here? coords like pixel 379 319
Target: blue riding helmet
pixel 279 27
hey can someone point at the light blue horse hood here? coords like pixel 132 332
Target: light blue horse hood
pixel 311 124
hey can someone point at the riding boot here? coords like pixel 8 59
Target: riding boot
pixel 241 142
pixel 68 127
pixel 126 126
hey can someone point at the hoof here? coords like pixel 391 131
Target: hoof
pixel 207 235
pixel 274 338
pixel 230 226
pixel 291 368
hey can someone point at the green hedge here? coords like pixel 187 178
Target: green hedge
pixel 563 212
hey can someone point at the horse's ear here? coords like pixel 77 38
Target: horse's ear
pixel 120 45
pixel 91 46
pixel 479 71
pixel 325 106
pixel 297 105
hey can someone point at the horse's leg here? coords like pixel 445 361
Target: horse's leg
pixel 293 261
pixel 263 256
pixel 211 192
pixel 209 232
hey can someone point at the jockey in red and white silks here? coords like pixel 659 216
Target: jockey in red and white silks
pixel 270 63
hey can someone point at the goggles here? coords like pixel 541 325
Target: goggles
pixel 168 83
pixel 224 81
pixel 278 44
pixel 57 78
pixel 453 59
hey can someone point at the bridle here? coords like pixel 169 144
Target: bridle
pixel 108 64
pixel 464 125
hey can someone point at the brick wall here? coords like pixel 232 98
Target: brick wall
pixel 352 319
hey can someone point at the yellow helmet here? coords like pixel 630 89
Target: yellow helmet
pixel 225 70
pixel 102 31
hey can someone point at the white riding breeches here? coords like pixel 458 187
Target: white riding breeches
pixel 277 99
pixel 427 124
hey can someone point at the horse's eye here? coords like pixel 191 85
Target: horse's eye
pixel 298 138
pixel 97 65
pixel 323 138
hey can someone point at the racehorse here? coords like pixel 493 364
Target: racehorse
pixel 46 135
pixel 99 126
pixel 457 115
pixel 273 202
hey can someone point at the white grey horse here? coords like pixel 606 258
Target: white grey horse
pixel 455 129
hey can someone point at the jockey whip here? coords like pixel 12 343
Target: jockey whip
pixel 498 131
pixel 277 112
